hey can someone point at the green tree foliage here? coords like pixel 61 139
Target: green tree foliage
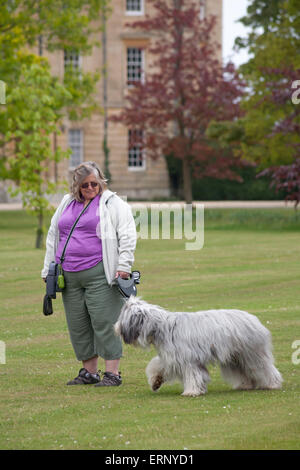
pixel 268 133
pixel 34 110
pixel 271 134
pixel 35 101
pixel 261 16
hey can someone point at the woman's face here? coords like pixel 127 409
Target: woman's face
pixel 90 187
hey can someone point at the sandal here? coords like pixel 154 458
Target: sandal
pixel 110 380
pixel 85 378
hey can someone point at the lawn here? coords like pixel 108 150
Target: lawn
pixel 250 260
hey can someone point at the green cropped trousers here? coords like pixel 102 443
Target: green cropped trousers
pixel 92 307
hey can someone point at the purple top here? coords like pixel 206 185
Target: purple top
pixel 84 249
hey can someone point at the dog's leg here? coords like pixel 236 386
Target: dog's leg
pixel 252 371
pixel 265 375
pixel 195 379
pixel 270 380
pixel 155 373
pixel 234 375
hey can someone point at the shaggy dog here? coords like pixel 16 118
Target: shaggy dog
pixel 186 342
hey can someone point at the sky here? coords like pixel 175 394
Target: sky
pixel 232 11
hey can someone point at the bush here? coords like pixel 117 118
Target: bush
pixel 252 188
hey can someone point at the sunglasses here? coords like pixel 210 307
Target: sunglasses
pixel 92 183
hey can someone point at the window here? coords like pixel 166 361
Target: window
pixel 136 157
pixel 134 7
pixel 76 146
pixel 202 13
pixel 135 65
pixel 72 60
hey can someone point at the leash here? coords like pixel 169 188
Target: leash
pixel 127 287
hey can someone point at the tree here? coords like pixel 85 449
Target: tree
pixel 51 25
pixel 45 25
pixel 42 25
pixel 62 24
pixel 188 87
pixel 272 117
pixel 105 12
pixel 37 104
pixel 268 132
pixel 261 16
pixel 286 178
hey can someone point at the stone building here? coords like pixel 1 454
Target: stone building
pixel 131 172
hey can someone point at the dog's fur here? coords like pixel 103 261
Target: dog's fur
pixel 187 342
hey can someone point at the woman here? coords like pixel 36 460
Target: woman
pixel 100 249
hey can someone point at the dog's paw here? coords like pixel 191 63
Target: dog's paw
pixel 192 393
pixel 157 383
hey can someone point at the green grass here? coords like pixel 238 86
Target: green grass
pixel 242 265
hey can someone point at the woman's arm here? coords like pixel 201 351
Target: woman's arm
pixel 126 236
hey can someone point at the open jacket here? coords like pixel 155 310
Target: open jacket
pixel 118 234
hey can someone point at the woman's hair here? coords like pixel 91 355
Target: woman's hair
pixel 80 173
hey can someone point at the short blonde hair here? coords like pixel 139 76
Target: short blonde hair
pixel 80 173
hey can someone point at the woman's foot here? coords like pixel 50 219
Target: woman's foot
pixel 110 380
pixel 85 378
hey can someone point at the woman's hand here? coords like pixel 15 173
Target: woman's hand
pixel 122 274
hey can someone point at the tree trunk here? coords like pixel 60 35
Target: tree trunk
pixel 187 182
pixel 40 231
pixel 104 79
pixel 55 162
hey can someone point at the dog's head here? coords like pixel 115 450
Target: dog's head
pixel 131 321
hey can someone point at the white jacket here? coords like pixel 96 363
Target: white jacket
pixel 118 234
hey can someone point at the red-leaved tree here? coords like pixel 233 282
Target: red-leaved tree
pixel 186 88
pixel 286 178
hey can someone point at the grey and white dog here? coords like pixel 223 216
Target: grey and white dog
pixel 186 342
